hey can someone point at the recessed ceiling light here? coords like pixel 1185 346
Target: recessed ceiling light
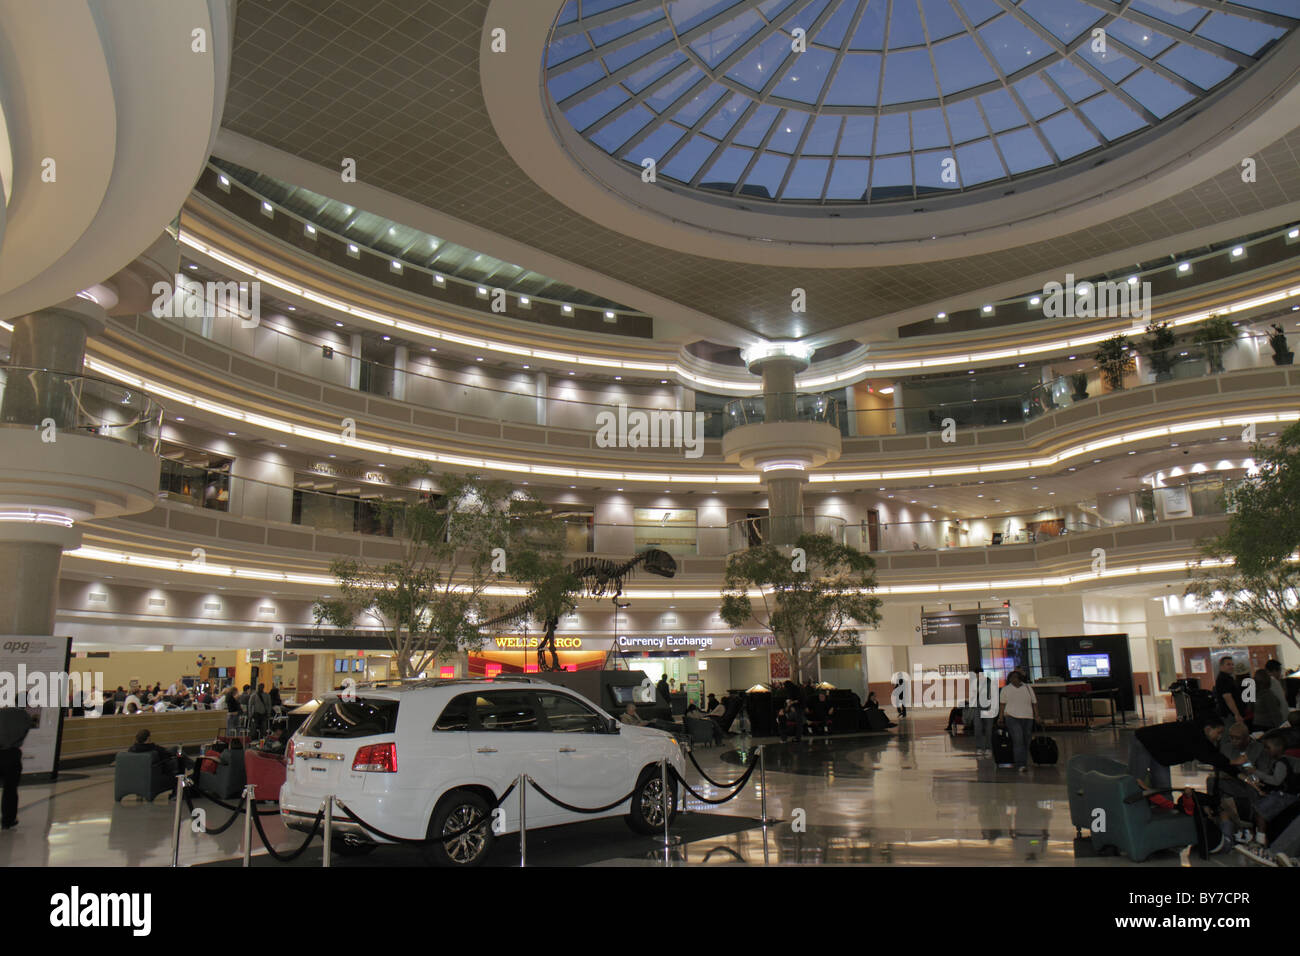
pixel 987 310
pixel 388 338
pixel 1036 300
pixel 292 308
pixel 478 358
pixel 339 324
pixel 231 434
pixel 1184 268
pixel 1238 252
pixel 526 366
pixel 567 309
pixel 179 418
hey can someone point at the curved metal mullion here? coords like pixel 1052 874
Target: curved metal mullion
pixel 880 94
pixel 816 27
pixel 613 46
pixel 758 151
pixel 997 69
pixel 636 99
pixel 671 109
pixel 835 158
pixel 723 144
pixel 1073 107
pixel 854 22
pixel 753 43
pixel 1158 68
pixel 605 18
pixel 1055 43
pixel 934 68
pixel 1216 6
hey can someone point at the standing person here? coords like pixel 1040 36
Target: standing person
pixel 664 690
pixel 900 695
pixel 233 710
pixel 277 704
pixel 1018 711
pixel 1278 680
pixel 1269 711
pixel 259 708
pixel 14 724
pixel 986 713
pixel 1227 693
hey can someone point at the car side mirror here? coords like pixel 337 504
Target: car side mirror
pixel 612 727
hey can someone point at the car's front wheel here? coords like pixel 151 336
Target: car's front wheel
pixel 455 812
pixel 647 810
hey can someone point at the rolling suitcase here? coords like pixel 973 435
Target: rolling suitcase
pixel 1003 753
pixel 1042 750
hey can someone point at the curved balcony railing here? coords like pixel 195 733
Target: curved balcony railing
pixel 752 532
pixel 781 407
pixel 37 397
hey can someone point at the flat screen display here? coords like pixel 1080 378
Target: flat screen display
pixel 1088 665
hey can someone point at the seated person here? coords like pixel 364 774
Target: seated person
pixel 715 708
pixel 790 720
pixel 819 714
pixel 1279 785
pixel 630 716
pixel 1237 741
pixel 172 762
pixel 131 704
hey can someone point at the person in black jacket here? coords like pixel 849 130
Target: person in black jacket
pixel 172 763
pixel 14 724
pixel 1227 693
pixel 1153 750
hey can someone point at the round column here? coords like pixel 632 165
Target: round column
pixel 52 340
pixel 48 350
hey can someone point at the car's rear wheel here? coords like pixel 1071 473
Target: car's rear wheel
pixel 454 812
pixel 647 811
pixel 345 847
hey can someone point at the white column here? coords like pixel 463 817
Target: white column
pixel 354 363
pixel 541 388
pixel 400 358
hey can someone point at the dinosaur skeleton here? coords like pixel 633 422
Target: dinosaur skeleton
pixel 599 577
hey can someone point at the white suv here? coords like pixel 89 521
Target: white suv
pixel 422 758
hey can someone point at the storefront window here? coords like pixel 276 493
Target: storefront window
pixel 203 487
pixel 668 530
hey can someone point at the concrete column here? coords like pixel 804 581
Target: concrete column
pixel 31 574
pixel 542 386
pixel 52 340
pixel 401 356
pixel 354 363
pixel 785 506
pixel 779 388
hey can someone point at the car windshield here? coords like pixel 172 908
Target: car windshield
pixel 362 717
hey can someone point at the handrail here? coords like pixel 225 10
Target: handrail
pixel 37 397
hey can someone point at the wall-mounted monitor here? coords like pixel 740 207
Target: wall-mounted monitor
pixel 1083 666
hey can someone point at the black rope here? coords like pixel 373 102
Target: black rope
pixel 573 809
pixel 441 838
pixel 739 785
pixel 229 806
pixel 289 857
pixel 722 786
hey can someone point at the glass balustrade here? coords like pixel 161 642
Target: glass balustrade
pixel 39 398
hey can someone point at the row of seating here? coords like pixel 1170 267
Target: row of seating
pixel 142 775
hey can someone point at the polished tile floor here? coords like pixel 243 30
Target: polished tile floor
pixel 914 796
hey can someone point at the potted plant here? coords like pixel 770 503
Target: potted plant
pixel 1281 354
pixel 1217 334
pixel 1114 360
pixel 1079 382
pixel 1160 339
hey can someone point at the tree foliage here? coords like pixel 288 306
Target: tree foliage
pixel 473 534
pixel 1247 577
pixel 809 602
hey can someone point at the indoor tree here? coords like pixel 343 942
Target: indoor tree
pixel 1114 360
pixel 813 597
pixel 473 534
pixel 1247 577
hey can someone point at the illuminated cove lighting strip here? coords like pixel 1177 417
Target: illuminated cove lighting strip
pixel 1080 341
pixel 127 558
pixel 806 382
pixel 158 390
pixel 1075 451
pixel 507 348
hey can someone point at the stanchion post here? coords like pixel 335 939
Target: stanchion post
pixel 666 803
pixel 329 829
pixel 176 822
pixel 522 784
pixel 249 810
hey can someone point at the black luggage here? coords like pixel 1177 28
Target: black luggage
pixel 1042 750
pixel 954 720
pixel 877 720
pixel 1003 753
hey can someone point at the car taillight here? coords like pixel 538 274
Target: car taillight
pixel 376 758
pixel 288 754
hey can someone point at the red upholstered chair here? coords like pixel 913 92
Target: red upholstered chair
pixel 265 771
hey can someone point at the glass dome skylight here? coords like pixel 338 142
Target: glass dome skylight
pixel 886 90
